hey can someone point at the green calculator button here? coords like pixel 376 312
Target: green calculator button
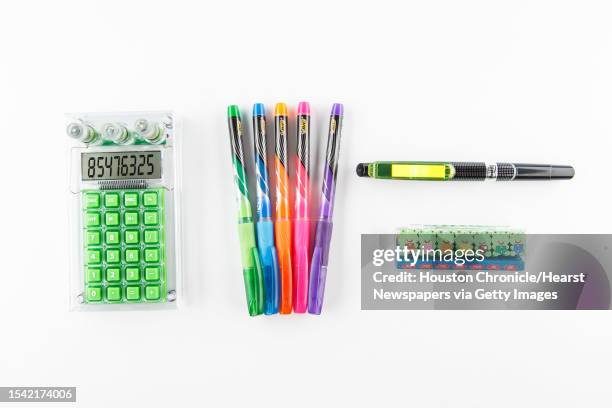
pixel 113 256
pixel 152 273
pixel 113 274
pixel 132 274
pixel 130 199
pixel 149 199
pixel 94 294
pixel 131 218
pixel 94 275
pixel 151 255
pixel 111 219
pixel 92 219
pixel 151 218
pixel 111 200
pixel 123 246
pixel 152 292
pixel 113 293
pixel 132 293
pixel 93 237
pixel 94 256
pixel 92 200
pixel 151 236
pixel 132 236
pixel 132 255
pixel 111 237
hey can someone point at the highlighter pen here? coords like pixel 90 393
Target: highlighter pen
pixel 479 171
pixel 265 226
pixel 282 222
pixel 251 267
pixel 320 255
pixel 301 236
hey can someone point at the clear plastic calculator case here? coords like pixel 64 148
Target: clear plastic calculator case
pixel 125 210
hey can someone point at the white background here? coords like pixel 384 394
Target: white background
pixel 525 81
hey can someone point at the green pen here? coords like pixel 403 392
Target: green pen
pixel 251 266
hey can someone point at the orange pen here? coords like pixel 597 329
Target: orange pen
pixel 282 223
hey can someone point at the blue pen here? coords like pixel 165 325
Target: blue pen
pixel 265 225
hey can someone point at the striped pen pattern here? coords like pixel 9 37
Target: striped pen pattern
pixel 282 222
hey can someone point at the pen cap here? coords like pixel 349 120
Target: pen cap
pixel 318 266
pixel 362 169
pixel 302 165
pixel 253 285
pixel 251 268
pixel 303 108
pixel 280 109
pixel 543 171
pixel 269 264
pixel 562 172
pixel 282 238
pixel 259 109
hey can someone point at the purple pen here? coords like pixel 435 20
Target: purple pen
pixel 320 255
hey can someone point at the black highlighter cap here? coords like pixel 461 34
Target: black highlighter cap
pixel 543 172
pixel 362 169
pixel 562 172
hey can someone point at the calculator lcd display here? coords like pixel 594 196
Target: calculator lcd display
pixel 121 165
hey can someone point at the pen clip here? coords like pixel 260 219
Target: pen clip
pixel 318 267
pixel 271 275
pixel 269 262
pixel 253 281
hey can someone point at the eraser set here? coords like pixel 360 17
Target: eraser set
pixel 124 210
pixel 489 247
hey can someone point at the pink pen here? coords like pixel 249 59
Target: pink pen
pixel 301 224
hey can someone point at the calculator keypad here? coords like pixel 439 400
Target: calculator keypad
pixel 124 251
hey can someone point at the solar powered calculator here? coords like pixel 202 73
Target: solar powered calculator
pixel 125 210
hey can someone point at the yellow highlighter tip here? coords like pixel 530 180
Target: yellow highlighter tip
pixel 280 109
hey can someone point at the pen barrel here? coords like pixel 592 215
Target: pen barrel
pixel 281 208
pixel 510 171
pixel 301 239
pixel 261 167
pixel 249 256
pixel 318 268
pixel 240 178
pixel 282 224
pixel 235 130
pixel 328 192
pixel 263 190
pixel 282 237
pixel 269 264
pixel 469 171
pixel 280 138
pixel 302 163
pixel 483 171
pixel 302 192
pixel 330 173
